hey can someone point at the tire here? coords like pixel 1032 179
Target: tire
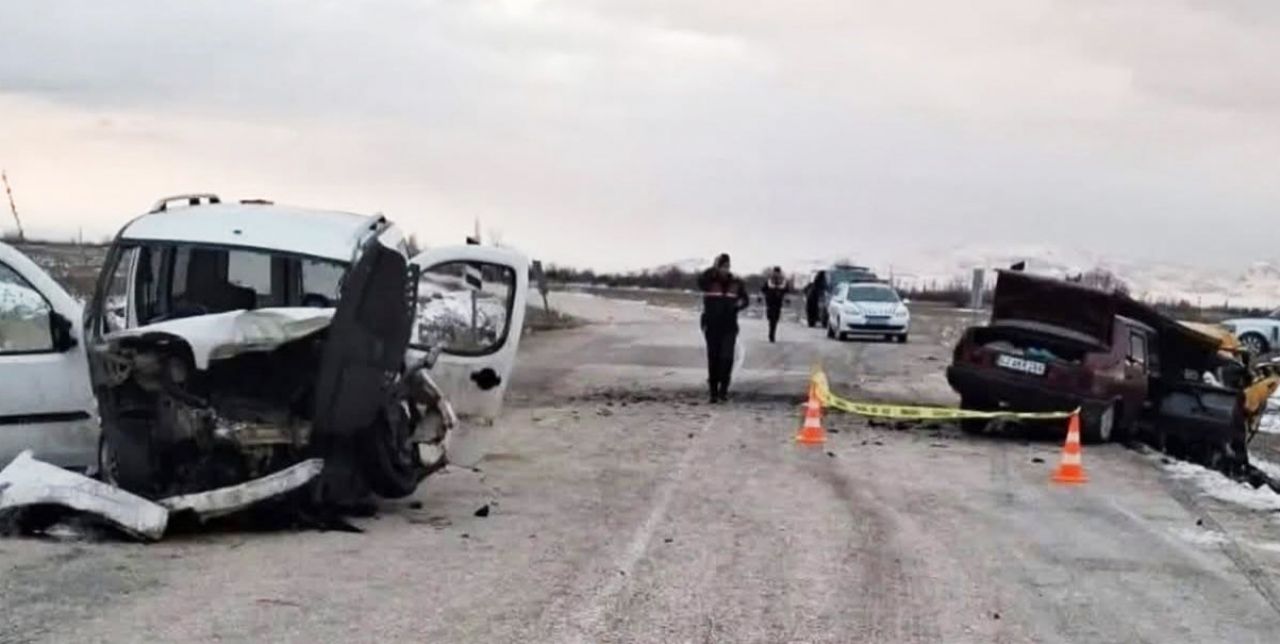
pixel 902 339
pixel 831 333
pixel 125 456
pixel 391 464
pixel 1099 426
pixel 1256 343
pixel 890 338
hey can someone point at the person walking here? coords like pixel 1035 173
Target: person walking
pixel 723 297
pixel 775 291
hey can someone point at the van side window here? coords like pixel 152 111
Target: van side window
pixel 1138 347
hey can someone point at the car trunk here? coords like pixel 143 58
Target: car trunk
pixel 1038 352
pixel 1064 310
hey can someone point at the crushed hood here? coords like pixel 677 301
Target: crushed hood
pixel 219 336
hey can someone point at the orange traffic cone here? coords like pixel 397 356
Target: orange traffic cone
pixel 811 432
pixel 1071 469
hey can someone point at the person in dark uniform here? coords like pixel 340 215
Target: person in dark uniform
pixel 813 298
pixel 723 297
pixel 775 291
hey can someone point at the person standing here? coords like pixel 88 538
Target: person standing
pixel 723 297
pixel 775 291
pixel 813 298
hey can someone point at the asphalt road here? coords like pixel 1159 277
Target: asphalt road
pixel 625 509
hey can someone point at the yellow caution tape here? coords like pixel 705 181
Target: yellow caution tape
pixel 916 412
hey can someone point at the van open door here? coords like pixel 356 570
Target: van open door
pixel 471 306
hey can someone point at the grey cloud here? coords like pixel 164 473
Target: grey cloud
pixel 657 128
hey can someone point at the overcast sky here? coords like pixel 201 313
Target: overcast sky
pixel 624 134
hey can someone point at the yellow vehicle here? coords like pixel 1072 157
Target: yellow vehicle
pixel 1263 378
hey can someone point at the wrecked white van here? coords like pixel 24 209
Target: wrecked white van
pixel 230 341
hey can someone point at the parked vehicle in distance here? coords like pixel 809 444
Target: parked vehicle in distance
pixel 1260 335
pixel 867 309
pixel 832 278
pixel 1056 346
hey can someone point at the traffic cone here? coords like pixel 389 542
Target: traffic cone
pixel 1071 469
pixel 811 432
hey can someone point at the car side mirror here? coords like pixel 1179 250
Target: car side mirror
pixel 906 300
pixel 60 329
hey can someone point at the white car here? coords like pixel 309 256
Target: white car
pixel 46 404
pixel 867 309
pixel 1259 335
pixel 226 341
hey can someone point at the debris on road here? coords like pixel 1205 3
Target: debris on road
pixel 235 498
pixel 35 495
pixel 483 511
pixel 1037 459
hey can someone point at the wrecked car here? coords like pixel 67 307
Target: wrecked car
pixel 1051 346
pixel 227 342
pixel 1132 371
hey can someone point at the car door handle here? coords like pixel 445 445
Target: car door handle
pixel 486 378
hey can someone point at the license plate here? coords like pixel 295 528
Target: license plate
pixel 1021 365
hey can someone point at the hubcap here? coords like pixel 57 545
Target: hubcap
pixel 1253 342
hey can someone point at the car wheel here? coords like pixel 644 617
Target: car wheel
pixel 831 333
pixel 124 456
pixel 392 465
pixel 1100 426
pixel 1255 343
pixel 902 339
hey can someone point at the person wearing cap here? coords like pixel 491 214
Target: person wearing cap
pixel 723 297
pixel 775 291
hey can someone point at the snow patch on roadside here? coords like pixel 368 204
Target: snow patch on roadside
pixel 1270 468
pixel 1270 421
pixel 1219 486
pixel 1201 537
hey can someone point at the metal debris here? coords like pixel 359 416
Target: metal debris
pixel 27 483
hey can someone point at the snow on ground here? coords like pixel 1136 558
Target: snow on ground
pixel 1270 424
pixel 1201 537
pixel 1270 468
pixel 1219 486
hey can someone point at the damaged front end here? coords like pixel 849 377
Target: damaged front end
pixel 234 400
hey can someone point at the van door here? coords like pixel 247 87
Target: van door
pixel 471 306
pixel 46 404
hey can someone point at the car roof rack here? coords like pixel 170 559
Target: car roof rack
pixel 191 199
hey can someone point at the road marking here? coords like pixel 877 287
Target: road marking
pixel 588 620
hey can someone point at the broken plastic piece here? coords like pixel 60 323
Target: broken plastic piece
pixel 234 498
pixel 27 482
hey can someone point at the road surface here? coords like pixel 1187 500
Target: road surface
pixel 623 508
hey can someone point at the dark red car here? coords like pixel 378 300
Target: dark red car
pixel 1055 346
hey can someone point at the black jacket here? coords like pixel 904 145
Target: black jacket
pixel 774 296
pixel 723 296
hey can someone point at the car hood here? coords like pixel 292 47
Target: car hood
pixel 219 336
pixel 877 308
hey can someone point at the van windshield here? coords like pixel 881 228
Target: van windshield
pixel 183 280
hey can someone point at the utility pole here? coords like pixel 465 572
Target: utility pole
pixel 12 208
